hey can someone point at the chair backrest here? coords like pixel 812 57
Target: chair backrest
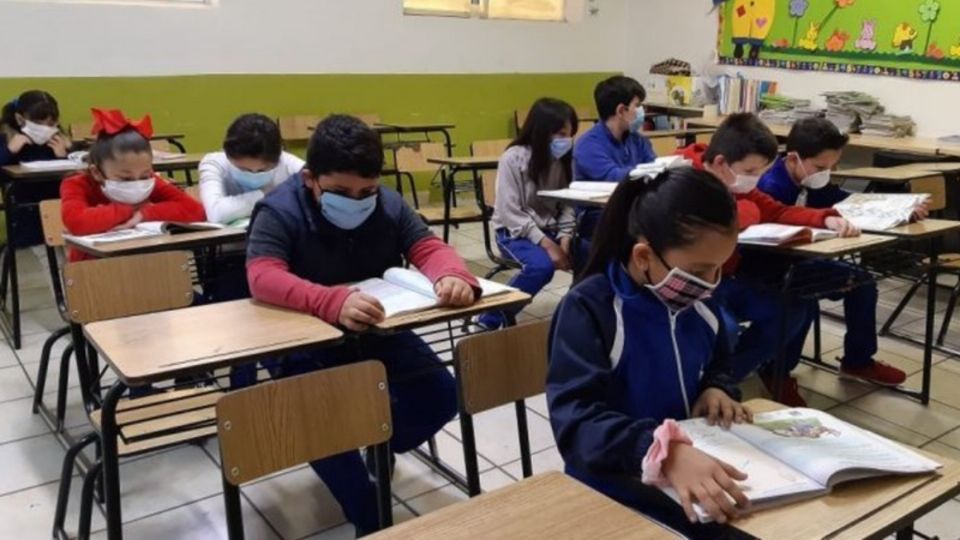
pixel 103 289
pixel 492 147
pixel 519 117
pixel 664 146
pixel 274 426
pixel 704 138
pixel 370 119
pixel 81 130
pixel 193 191
pixel 51 220
pixel 489 179
pixel 936 186
pixel 413 158
pixel 297 128
pixel 160 145
pixel 583 126
pixel 500 367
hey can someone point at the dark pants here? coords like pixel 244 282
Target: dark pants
pixel 423 398
pixel 536 272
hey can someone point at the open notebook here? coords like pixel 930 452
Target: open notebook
pixel 774 234
pixel 583 191
pixel 880 211
pixel 404 291
pixel 658 166
pixel 143 230
pixel 793 454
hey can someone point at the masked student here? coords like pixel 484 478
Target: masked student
pixel 120 188
pixel 739 153
pixel 636 343
pixel 30 131
pixel 802 178
pixel 532 231
pixel 333 224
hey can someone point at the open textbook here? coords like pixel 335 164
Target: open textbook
pixel 143 230
pixel 658 166
pixel 774 234
pixel 403 291
pixel 793 454
pixel 583 191
pixel 879 211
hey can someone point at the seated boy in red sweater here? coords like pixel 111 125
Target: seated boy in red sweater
pixel 739 153
pixel 120 189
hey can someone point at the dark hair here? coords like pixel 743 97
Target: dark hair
pixel 33 105
pixel 253 136
pixel 344 144
pixel 739 136
pixel 547 116
pixel 811 136
pixel 667 211
pixel 107 147
pixel 617 90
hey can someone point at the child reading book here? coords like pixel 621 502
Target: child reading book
pixel 120 189
pixel 331 225
pixel 634 344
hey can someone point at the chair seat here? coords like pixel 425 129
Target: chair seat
pixel 948 261
pixel 433 215
pixel 164 419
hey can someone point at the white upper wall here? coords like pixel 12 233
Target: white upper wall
pixel 60 39
pixel 686 31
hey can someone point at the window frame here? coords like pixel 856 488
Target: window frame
pixel 480 9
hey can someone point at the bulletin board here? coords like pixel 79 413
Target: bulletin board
pixel 918 39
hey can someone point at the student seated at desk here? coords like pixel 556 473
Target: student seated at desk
pixel 530 230
pixel 802 178
pixel 120 189
pixel 30 131
pixel 635 345
pixel 251 164
pixel 740 151
pixel 333 224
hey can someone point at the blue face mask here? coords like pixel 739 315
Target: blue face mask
pixel 637 123
pixel 561 146
pixel 251 181
pixel 346 213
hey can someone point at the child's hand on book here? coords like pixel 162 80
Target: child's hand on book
pixel 843 228
pixel 359 311
pixel 699 478
pixel 134 220
pixel 454 292
pixel 921 211
pixel 717 406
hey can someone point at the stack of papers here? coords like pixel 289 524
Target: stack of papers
pixel 880 211
pixel 52 165
pixel 888 125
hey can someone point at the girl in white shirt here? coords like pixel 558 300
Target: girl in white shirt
pixel 251 164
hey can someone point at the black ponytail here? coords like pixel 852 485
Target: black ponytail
pixel 666 211
pixel 34 105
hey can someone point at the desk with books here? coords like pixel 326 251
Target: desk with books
pixel 160 242
pixel 449 167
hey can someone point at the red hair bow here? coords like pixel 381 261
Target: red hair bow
pixel 113 121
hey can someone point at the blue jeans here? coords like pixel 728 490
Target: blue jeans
pixel 536 273
pixel 423 398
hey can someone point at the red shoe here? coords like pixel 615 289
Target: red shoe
pixel 876 373
pixel 789 391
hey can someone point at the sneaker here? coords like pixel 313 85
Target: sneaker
pixel 789 391
pixel 876 373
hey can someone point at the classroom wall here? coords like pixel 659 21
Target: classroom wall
pixel 684 29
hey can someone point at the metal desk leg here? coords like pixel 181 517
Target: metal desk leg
pixel 448 142
pixel 111 460
pixel 931 314
pixel 446 181
pixel 905 533
pixel 10 265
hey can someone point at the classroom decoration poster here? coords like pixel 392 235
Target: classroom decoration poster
pixel 919 39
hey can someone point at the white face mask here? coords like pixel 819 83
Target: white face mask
pixel 743 183
pixel 813 181
pixel 128 191
pixel 39 133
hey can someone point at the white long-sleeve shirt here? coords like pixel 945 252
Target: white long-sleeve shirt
pixel 224 199
pixel 518 209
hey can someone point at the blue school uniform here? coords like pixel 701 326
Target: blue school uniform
pixel 598 155
pixel 620 364
pixel 859 303
pixel 27 229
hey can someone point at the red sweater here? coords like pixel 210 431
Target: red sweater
pixel 757 207
pixel 86 210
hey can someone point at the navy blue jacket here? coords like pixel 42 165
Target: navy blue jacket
pixel 29 152
pixel 597 155
pixel 615 376
pixel 778 184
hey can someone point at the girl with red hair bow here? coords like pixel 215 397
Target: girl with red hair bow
pixel 120 188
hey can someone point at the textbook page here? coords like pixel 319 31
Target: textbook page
pixel 415 281
pixel 774 234
pixel 111 236
pixel 879 211
pixel 52 165
pixel 605 188
pixel 575 194
pixel 394 298
pixel 826 449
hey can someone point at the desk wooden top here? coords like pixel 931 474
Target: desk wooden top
pixel 163 242
pixel 939 166
pixel 405 321
pixel 829 249
pixel 168 344
pixel 550 505
pixel 466 162
pixel 949 150
pixel 923 229
pixel 19 172
pixel 897 175
pixel 663 133
pixel 872 508
pixel 406 127
pixel 685 111
pixel 594 203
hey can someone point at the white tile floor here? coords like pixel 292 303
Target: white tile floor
pixel 176 493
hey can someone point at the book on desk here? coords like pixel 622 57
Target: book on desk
pixel 880 212
pixel 775 234
pixel 144 230
pixel 404 291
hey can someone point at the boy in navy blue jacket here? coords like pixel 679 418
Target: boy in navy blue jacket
pixel 802 178
pixel 634 345
pixel 328 226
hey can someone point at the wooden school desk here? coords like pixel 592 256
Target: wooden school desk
pixel 873 508
pixel 425 128
pixel 162 242
pixel 449 167
pixel 887 175
pixel 12 176
pixel 549 505
pixel 669 109
pixel 156 347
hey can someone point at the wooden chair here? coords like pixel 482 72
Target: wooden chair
pixel 583 126
pixel 370 119
pixel 662 146
pixel 703 138
pixel 413 159
pixel 81 130
pixel 490 147
pixel 102 289
pixel 493 369
pixel 193 191
pixel 277 425
pixel 297 128
pixel 489 187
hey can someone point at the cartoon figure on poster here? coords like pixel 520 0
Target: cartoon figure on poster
pixel 752 21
